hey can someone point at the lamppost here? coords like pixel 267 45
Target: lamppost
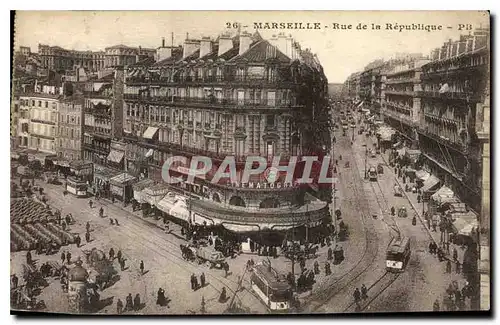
pixel 366 157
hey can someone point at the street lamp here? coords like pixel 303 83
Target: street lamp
pixel 366 157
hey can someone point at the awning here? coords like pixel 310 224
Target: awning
pixel 62 163
pixel 444 195
pixel 155 193
pixel 139 189
pixel 422 175
pixel 464 225
pixel 122 179
pixel 397 144
pixel 150 132
pixel 174 205
pixel 115 156
pixel 149 153
pixel 430 183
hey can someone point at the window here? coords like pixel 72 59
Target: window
pixel 46 104
pixel 271 98
pixel 270 120
pixel 241 97
pixel 39 103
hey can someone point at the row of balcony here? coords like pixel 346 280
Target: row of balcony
pixel 460 147
pixel 402 80
pixel 401 92
pixel 181 101
pixel 42 136
pixel 139 80
pixel 458 124
pixel 37 120
pixel 457 95
pixel 95 148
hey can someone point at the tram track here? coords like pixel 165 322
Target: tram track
pixel 135 236
pixel 369 254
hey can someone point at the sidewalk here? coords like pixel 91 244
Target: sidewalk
pixel 417 207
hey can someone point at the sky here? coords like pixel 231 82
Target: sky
pixel 340 51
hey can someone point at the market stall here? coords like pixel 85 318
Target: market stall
pixel 139 188
pixel 121 187
pixel 102 177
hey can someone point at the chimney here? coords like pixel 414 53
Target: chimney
pixel 462 45
pixel 225 44
pixel 163 42
pixel 282 43
pixel 245 41
pixel 205 46
pixel 454 49
pixel 190 46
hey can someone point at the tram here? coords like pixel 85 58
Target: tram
pixel 76 187
pixel 372 173
pixel 271 287
pixel 398 254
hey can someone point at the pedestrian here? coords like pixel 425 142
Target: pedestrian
pixel 111 253
pixel 435 306
pixel 101 212
pixel 455 254
pixel 393 211
pixel 330 254
pixel 128 303
pixel 111 222
pixel 414 221
pixel 192 282
pixel 119 255
pixel 357 296
pixel 116 222
pixel 68 257
pixel 87 237
pixel 457 267
pixel 137 302
pixel 419 198
pixel 448 266
pixel 195 283
pixel 226 269
pixel 15 281
pixel 122 264
pixel 316 267
pixel 119 306
pixel 141 266
pixel 328 270
pixel 160 299
pixel 63 225
pixel 202 280
pixel 364 292
pixel 431 248
pixel 223 295
pixel 63 257
pixel 78 240
pixel 29 259
pixel 87 226
pixel 91 204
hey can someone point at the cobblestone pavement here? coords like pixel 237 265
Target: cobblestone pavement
pixel 161 254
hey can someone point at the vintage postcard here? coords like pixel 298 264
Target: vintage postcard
pixel 265 162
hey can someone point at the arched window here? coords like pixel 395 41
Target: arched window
pixel 269 202
pixel 237 201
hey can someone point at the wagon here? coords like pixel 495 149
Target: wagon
pixel 402 213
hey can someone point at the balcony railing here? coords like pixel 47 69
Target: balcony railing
pixel 213 101
pixel 458 95
pixel 402 80
pixel 400 92
pixel 208 79
pixel 449 143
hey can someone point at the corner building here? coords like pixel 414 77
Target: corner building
pixel 236 96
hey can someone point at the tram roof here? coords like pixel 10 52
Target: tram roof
pixel 271 277
pixel 399 245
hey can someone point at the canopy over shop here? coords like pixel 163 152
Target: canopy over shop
pixel 154 193
pixel 465 226
pixel 139 187
pixel 429 184
pixel 175 205
pixel 102 177
pixel 121 187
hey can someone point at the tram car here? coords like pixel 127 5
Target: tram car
pixel 398 255
pixel 271 287
pixel 372 173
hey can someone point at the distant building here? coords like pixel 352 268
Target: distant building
pixel 59 59
pixel 70 128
